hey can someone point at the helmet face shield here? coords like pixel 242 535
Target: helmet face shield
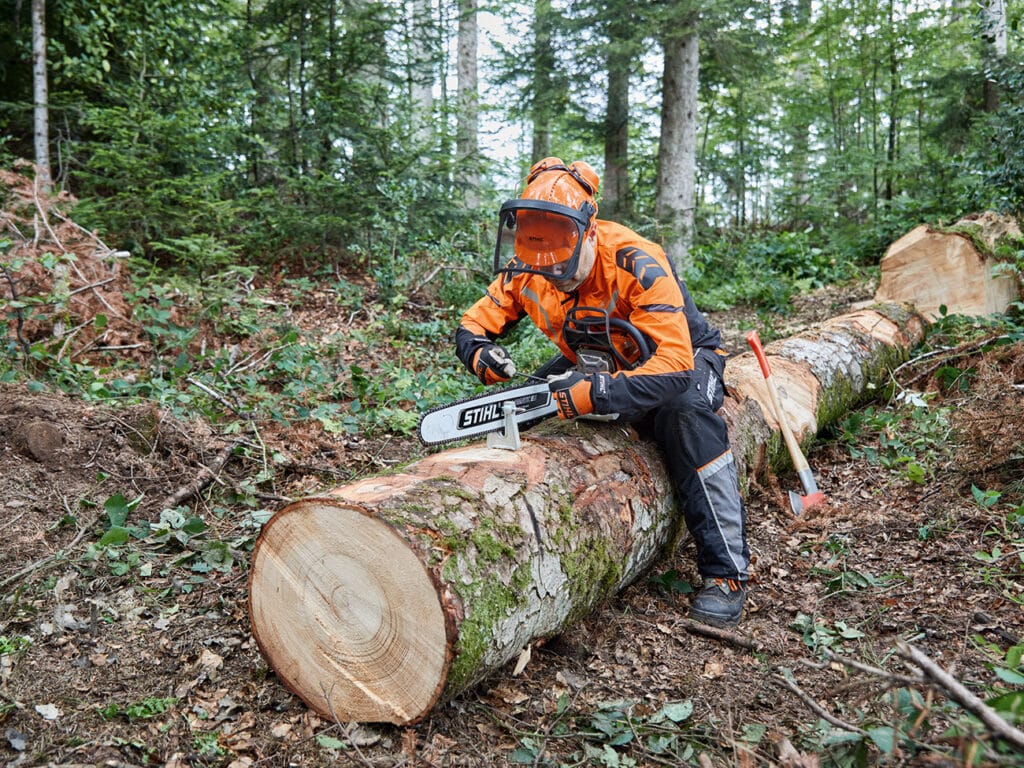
pixel 540 237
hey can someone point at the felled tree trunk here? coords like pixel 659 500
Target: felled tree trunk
pixel 931 268
pixel 819 375
pixel 377 599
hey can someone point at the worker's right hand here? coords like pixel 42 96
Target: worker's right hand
pixel 492 364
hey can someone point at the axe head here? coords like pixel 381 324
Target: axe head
pixel 799 503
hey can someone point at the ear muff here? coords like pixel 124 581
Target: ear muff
pixel 587 177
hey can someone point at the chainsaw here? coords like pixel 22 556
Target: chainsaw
pixel 601 344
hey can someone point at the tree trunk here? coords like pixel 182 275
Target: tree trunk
pixel 375 600
pixel 41 97
pixel 993 35
pixel 616 202
pixel 677 148
pixel 547 87
pixel 422 42
pixel 467 146
pixel 932 269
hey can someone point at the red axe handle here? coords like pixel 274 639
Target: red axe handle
pixel 797 455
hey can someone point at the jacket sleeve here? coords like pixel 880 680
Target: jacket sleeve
pixel 660 314
pixel 488 319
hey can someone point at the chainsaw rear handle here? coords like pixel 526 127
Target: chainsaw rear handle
pixel 591 327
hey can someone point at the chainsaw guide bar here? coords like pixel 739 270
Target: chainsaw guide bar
pixel 486 413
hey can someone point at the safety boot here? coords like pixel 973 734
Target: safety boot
pixel 719 603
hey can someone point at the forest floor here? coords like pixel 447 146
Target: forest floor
pixel 139 662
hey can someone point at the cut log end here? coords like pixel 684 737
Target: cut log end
pixel 347 615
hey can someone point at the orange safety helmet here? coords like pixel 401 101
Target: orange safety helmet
pixel 542 231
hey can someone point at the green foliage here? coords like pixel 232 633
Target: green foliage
pixel 14 646
pixel 818 635
pixel 765 270
pixel 177 539
pixel 146 709
pixel 994 162
pixel 909 436
pixel 617 734
pixel 671 583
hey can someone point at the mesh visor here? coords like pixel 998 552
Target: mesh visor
pixel 539 237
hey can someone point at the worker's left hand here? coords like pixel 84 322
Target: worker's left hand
pixel 571 391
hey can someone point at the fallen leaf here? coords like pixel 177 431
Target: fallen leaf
pixel 210 661
pixel 48 711
pixel 361 736
pixel 713 669
pixel 16 739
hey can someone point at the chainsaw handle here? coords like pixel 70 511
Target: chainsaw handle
pixel 755 344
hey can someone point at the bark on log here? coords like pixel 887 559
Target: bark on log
pixel 380 598
pixel 931 268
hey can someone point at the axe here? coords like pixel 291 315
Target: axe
pixel 811 495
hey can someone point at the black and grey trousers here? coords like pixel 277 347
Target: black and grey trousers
pixel 695 442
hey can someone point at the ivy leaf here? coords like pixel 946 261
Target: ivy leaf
pixel 1010 705
pixel 329 742
pixel 117 508
pixel 884 738
pixel 114 536
pixel 1009 676
pixel 677 711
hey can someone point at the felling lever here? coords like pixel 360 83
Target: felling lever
pixel 811 495
pixel 508 438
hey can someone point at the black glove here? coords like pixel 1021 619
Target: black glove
pixel 492 364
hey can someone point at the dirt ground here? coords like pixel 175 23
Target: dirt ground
pixel 140 663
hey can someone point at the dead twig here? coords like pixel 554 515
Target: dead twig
pixel 962 696
pixel 872 670
pixel 26 348
pixel 31 567
pixel 95 293
pixel 80 228
pixel 725 635
pixel 215 395
pixel 819 710
pixel 947 354
pixel 204 478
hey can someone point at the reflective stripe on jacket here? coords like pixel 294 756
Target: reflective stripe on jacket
pixel 633 280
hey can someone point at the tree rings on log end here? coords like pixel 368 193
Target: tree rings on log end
pixel 347 615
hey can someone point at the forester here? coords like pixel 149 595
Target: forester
pixel 632 343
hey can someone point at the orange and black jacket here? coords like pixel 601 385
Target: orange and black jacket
pixel 634 281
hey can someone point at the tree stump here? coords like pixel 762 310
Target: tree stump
pixel 932 268
pixel 378 599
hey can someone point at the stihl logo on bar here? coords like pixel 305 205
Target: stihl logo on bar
pixel 481 414
pixel 491 412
